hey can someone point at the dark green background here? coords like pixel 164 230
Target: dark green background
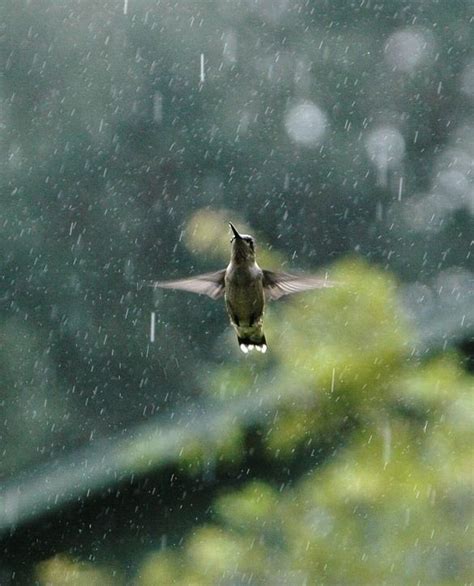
pixel 120 166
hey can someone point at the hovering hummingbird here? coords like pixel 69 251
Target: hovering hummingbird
pixel 246 287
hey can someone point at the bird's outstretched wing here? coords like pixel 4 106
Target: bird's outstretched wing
pixel 210 284
pixel 276 285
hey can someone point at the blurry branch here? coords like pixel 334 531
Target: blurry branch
pixel 154 444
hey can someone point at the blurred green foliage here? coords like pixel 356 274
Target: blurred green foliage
pixel 393 504
pixel 62 570
pixel 391 500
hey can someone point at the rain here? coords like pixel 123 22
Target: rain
pixel 143 442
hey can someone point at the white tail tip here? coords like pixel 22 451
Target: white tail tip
pixel 246 348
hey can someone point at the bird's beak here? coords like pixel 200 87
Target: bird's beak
pixel 236 234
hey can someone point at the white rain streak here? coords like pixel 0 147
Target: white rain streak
pixel 400 188
pixel 202 73
pixel 152 326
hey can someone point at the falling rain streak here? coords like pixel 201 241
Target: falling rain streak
pixel 202 73
pixel 152 326
pixel 400 188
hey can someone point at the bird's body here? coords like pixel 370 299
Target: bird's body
pixel 245 303
pixel 246 287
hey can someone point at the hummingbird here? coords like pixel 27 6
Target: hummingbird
pixel 246 288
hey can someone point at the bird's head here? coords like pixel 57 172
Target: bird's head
pixel 243 246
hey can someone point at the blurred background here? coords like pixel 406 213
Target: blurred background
pixel 341 135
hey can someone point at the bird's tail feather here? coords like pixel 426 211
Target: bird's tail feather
pixel 252 343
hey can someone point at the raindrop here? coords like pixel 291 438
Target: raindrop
pixel 306 123
pixel 386 148
pixel 152 327
pixel 202 73
pixel 407 49
pixel 400 188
